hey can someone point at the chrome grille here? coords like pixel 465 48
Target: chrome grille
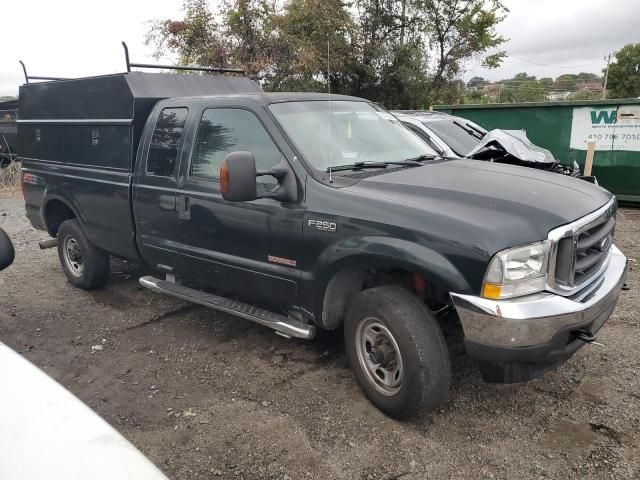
pixel 592 249
pixel 581 249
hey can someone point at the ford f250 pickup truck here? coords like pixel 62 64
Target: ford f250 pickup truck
pixel 316 211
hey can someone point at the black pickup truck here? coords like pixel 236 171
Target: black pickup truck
pixel 305 211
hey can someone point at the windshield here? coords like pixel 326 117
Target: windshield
pixel 454 133
pixel 343 132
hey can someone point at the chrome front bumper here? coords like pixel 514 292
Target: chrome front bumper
pixel 538 319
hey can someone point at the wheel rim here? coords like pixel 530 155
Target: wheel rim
pixel 73 256
pixel 379 356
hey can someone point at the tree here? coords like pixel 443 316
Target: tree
pixel 6 98
pixel 624 73
pixel 404 53
pixel 521 77
pixel 546 82
pixel 585 95
pixel 587 76
pixel 458 31
pixel 567 81
pixel 476 82
pixel 517 79
pixel 252 38
pixel 316 47
pixel 529 91
pixel 195 39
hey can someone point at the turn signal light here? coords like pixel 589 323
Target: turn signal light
pixel 491 290
pixel 224 177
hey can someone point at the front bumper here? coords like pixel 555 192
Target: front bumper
pixel 518 339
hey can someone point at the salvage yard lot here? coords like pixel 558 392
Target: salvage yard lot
pixel 208 395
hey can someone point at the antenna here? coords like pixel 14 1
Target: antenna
pixel 330 112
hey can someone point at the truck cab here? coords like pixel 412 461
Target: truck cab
pixel 314 211
pixel 204 237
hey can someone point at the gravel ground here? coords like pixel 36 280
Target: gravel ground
pixel 207 395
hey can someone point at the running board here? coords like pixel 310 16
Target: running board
pixel 280 323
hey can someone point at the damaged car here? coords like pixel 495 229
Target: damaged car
pixel 453 136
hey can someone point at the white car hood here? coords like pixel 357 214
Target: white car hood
pixel 515 143
pixel 47 433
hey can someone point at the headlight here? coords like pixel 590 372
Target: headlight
pixel 517 271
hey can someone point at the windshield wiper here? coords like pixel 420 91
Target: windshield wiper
pixel 362 165
pixel 471 131
pixel 422 158
pixel 477 130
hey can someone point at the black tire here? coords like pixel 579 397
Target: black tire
pixel 424 359
pixel 85 265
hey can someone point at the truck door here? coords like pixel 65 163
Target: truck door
pixel 154 195
pixel 248 248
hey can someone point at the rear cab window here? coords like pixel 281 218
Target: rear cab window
pixel 165 142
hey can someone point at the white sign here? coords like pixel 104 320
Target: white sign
pixel 612 128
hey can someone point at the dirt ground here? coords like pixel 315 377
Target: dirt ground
pixel 207 395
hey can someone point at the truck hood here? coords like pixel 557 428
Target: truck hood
pixel 499 205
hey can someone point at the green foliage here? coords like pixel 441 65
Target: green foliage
pixel 404 53
pixel 521 77
pixel 546 82
pixel 586 76
pixel 460 30
pixel 585 95
pixel 526 88
pixel 476 82
pixel 624 73
pixel 529 91
pixel 6 98
pixel 317 46
pixel 251 37
pixel 186 38
pixel 567 81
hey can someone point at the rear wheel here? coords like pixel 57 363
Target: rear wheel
pixel 397 351
pixel 85 265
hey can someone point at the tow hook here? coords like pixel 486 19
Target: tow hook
pixel 585 336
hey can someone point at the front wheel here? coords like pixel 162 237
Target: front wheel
pixel 397 351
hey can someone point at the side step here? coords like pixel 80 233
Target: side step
pixel 280 323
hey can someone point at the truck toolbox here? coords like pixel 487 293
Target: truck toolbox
pixel 87 131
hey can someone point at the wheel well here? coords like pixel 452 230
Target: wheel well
pixel 352 279
pixel 57 212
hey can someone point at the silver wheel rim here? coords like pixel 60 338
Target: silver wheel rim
pixel 379 356
pixel 73 256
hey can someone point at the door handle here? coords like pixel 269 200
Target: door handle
pixel 184 207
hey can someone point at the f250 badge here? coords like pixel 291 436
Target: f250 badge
pixel 322 225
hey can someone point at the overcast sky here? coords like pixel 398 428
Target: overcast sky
pixel 70 38
pixel 562 33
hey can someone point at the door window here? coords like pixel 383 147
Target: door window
pixel 163 149
pixel 225 130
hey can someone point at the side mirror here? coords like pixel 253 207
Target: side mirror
pixel 6 250
pixel 238 179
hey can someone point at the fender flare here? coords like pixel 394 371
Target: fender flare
pixel 384 252
pixel 48 197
